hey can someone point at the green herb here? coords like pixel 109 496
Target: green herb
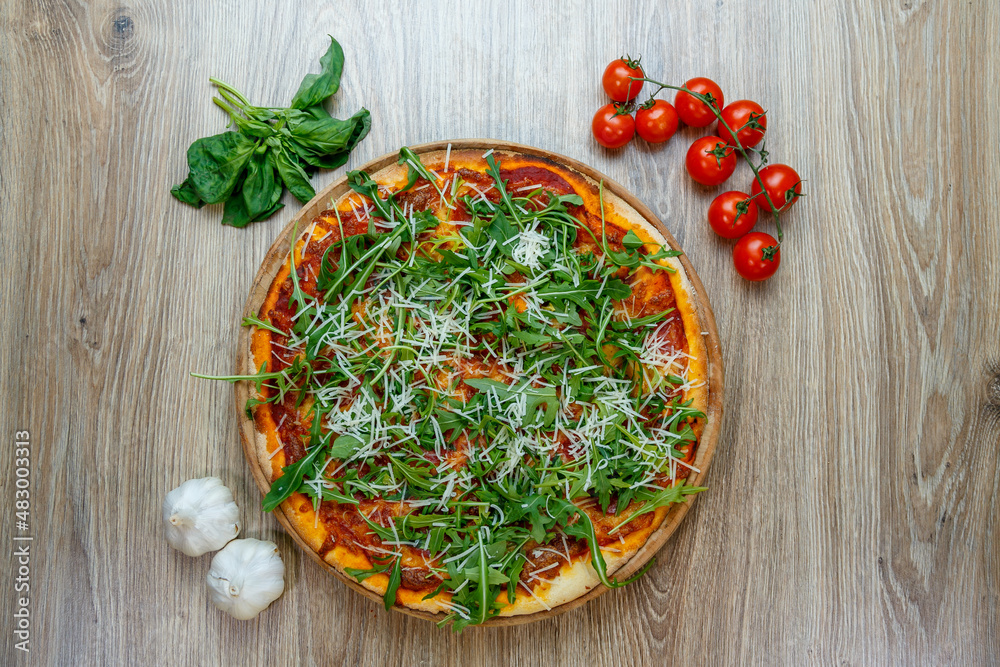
pixel 271 148
pixel 290 480
pixel 394 580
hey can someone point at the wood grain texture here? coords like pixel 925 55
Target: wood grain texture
pixel 854 494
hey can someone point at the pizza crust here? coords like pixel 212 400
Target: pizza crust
pixel 576 578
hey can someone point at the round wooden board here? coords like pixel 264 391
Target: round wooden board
pixel 275 258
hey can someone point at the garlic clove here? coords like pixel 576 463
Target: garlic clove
pixel 200 516
pixel 246 577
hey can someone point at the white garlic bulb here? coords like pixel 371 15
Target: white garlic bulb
pixel 246 577
pixel 200 516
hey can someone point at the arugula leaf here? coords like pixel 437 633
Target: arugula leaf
pixel 675 493
pixel 584 529
pixel 631 240
pixel 533 508
pixel 531 338
pixel 501 231
pixel 250 320
pixel 315 88
pixel 514 577
pixel 345 446
pixel 394 580
pixel 584 294
pixel 290 480
pixel 415 168
pixel 535 398
pixel 360 574
pixel 493 169
pixel 483 590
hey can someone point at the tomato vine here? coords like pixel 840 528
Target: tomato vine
pixel 736 146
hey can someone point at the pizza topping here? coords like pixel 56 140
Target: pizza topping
pixel 200 516
pixel 246 577
pixel 463 390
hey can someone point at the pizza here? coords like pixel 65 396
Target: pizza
pixel 479 383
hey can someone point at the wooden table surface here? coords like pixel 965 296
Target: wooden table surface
pixel 852 514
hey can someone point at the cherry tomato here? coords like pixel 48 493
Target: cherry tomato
pixel 693 111
pixel 783 186
pixel 748 256
pixel 657 122
pixel 617 83
pixel 739 114
pixel 610 130
pixel 730 217
pixel 706 165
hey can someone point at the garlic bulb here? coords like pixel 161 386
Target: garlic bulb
pixel 200 516
pixel 246 577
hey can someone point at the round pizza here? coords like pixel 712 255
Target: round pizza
pixel 479 383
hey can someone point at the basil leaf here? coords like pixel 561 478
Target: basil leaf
pixel 235 213
pixel 301 138
pixel 294 176
pixel 317 111
pixel 359 125
pixel 268 213
pixel 261 191
pixel 317 87
pixel 216 164
pixel 322 136
pixel 253 127
pixel 186 193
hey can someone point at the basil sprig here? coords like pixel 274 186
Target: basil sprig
pixel 271 148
